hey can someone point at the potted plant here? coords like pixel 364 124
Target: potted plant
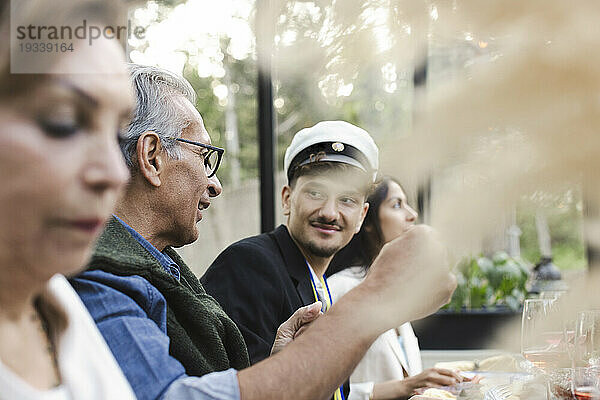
pixel 490 292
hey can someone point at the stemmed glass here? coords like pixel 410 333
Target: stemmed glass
pixel 586 384
pixel 542 339
pixel 551 294
pixel 586 374
pixel 587 339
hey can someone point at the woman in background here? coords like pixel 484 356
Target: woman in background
pixel 61 172
pixel 391 368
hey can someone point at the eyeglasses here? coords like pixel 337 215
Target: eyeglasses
pixel 212 158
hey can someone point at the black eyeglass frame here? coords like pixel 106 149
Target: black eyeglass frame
pixel 219 151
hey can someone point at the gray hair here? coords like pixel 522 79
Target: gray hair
pixel 154 87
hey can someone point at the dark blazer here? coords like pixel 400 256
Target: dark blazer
pixel 260 281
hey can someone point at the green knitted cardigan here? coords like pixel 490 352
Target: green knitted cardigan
pixel 202 337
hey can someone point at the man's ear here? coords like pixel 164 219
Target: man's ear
pixel 285 200
pixel 363 214
pixel 150 157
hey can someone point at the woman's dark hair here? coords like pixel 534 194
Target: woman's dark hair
pixel 366 244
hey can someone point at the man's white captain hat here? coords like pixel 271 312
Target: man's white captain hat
pixel 336 141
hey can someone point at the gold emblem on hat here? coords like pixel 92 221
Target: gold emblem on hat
pixel 337 146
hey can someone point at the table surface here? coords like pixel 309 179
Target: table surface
pixel 430 357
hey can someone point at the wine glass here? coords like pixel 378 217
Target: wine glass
pixel 542 336
pixel 586 383
pixel 587 339
pixel 551 294
pixel 570 338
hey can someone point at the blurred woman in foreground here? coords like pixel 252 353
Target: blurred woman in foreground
pixel 61 172
pixel 391 368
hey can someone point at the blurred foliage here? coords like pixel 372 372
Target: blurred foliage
pixel 243 75
pixel 334 68
pixel 165 3
pixel 328 64
pixel 563 212
pixel 490 282
pixel 485 282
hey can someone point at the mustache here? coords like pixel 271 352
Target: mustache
pixel 324 221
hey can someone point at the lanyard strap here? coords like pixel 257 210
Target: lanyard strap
pixel 327 302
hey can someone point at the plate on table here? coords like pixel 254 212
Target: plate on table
pixel 500 376
pixel 454 390
pixel 501 392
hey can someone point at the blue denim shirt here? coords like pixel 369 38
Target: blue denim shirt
pixel 167 263
pixel 131 314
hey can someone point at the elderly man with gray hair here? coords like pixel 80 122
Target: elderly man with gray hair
pixel 134 271
pixel 171 339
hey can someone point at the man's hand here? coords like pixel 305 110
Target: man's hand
pixel 410 278
pixel 295 325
